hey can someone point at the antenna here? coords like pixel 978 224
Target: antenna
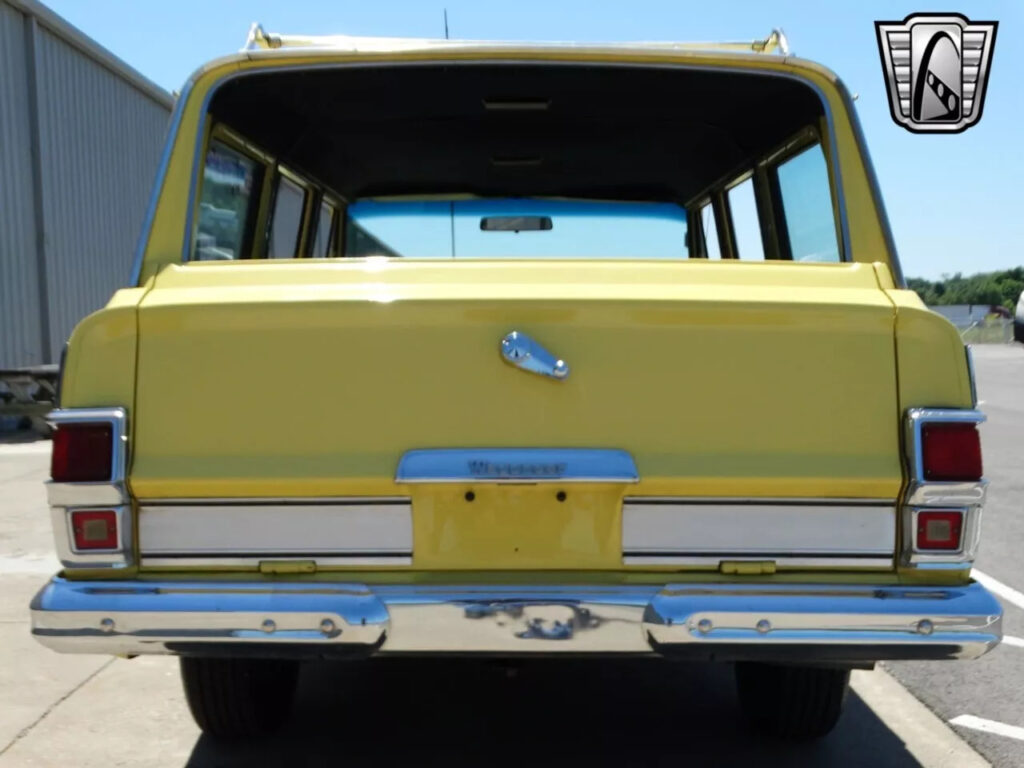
pixel 445 23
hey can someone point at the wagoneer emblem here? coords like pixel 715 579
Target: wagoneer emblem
pixel 520 350
pixel 936 69
pixel 510 469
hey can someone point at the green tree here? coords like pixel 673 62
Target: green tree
pixel 993 288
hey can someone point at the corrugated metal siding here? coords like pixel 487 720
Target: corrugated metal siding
pixel 99 140
pixel 20 340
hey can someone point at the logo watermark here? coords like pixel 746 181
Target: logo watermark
pixel 936 69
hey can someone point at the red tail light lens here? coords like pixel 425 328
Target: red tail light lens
pixel 951 451
pixel 939 530
pixel 82 453
pixel 94 529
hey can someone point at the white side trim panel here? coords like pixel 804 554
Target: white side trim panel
pixel 794 530
pixel 228 530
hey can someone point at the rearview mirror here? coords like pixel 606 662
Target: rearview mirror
pixel 515 223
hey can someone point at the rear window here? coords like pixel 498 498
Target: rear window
pixel 225 203
pixel 492 174
pixel 516 229
pixel 807 206
pixel 286 223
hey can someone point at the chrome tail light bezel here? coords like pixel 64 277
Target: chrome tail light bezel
pixel 921 494
pixel 110 494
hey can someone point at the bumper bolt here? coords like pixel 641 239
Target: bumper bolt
pixel 327 627
pixel 107 625
pixel 268 626
pixel 925 627
pixel 704 626
pixel 764 626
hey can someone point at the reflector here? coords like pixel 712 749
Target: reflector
pixel 94 529
pixel 82 453
pixel 951 451
pixel 939 529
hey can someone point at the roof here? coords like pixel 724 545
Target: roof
pixel 259 39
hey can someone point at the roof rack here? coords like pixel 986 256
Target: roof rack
pixel 259 39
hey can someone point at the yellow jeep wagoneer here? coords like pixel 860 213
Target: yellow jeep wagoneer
pixel 502 349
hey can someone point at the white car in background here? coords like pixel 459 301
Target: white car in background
pixel 1018 320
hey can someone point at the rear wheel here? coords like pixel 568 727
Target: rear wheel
pixel 790 701
pixel 237 698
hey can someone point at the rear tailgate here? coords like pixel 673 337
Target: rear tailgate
pixel 733 381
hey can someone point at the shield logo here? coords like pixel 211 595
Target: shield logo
pixel 936 68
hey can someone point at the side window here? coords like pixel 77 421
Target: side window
pixel 230 183
pixel 710 229
pixel 286 221
pixel 324 223
pixel 745 223
pixel 807 206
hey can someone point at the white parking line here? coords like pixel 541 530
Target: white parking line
pixel 924 735
pixel 29 564
pixel 989 726
pixel 25 449
pixel 1017 642
pixel 1008 594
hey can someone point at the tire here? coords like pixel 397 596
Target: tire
pixel 239 698
pixel 791 702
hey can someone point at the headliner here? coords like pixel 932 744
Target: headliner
pixel 628 132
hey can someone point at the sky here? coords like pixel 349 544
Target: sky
pixel 954 201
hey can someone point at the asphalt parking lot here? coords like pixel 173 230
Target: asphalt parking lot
pixel 95 711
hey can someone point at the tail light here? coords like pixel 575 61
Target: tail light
pixel 82 453
pixel 90 507
pixel 950 451
pixel 94 529
pixel 941 511
pixel 939 530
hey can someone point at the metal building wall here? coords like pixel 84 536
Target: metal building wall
pixel 20 332
pixel 85 133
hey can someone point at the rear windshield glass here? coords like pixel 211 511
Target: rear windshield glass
pixel 516 229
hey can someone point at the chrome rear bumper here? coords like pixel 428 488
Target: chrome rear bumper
pixel 710 621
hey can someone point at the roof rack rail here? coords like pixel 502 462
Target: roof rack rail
pixel 259 39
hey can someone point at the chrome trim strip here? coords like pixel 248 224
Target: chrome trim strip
pixel 270 500
pixel 781 561
pixel 85 494
pixel 767 531
pixel 868 622
pixel 361 559
pixel 969 354
pixel 269 530
pixel 516 465
pixel 930 494
pixel 790 501
pixel 122 557
pixel 846 254
pixel 158 183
